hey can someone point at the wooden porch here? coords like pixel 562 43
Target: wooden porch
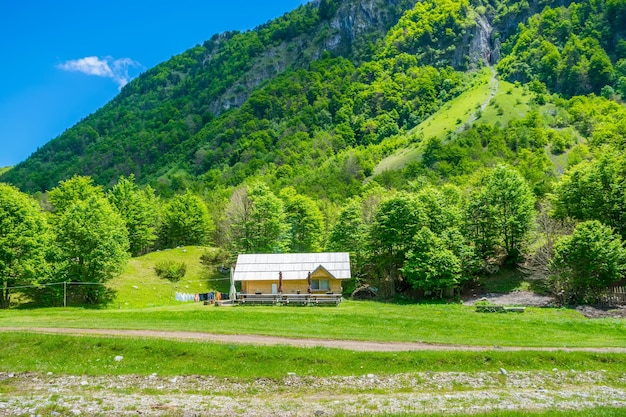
pixel 289 299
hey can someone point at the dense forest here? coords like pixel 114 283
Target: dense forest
pixel 310 134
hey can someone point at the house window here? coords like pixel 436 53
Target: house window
pixel 320 284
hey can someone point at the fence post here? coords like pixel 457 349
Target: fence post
pixel 65 294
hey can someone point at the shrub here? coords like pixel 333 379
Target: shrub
pixel 587 262
pixel 170 270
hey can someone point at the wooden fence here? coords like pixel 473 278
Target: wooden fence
pixel 615 295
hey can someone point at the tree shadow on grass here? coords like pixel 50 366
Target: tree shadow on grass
pixel 94 298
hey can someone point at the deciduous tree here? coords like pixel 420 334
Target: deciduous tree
pixel 139 210
pixel 77 188
pixel 500 213
pixel 186 221
pixel 306 224
pixel 256 219
pixel 24 239
pixel 395 224
pixel 430 265
pixel 595 191
pixel 349 234
pixel 587 262
pixel 91 239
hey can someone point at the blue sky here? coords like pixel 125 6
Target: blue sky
pixel 63 60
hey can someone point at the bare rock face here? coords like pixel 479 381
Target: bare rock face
pixel 481 44
pixel 484 47
pixel 365 21
pixel 477 47
pixel 358 18
pixel 481 48
pixel 352 21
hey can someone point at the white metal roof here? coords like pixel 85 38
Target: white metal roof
pixel 294 266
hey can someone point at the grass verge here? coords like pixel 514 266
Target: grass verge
pixel 82 355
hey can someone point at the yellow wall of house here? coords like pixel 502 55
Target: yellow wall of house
pixel 289 287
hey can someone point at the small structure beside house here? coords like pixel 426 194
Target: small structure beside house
pixel 270 275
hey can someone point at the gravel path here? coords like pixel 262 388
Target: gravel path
pixel 364 346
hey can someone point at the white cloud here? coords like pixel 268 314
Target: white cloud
pixel 107 67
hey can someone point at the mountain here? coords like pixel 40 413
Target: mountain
pixel 339 92
pixel 150 124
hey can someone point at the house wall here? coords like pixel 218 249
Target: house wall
pixel 289 287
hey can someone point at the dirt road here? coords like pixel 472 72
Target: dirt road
pixel 356 345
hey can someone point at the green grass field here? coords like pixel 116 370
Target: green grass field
pixel 355 320
pixel 139 286
pixel 460 110
pixel 510 102
pixel 506 102
pixel 86 355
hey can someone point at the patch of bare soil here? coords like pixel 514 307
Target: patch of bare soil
pixel 514 298
pixel 598 312
pixel 530 299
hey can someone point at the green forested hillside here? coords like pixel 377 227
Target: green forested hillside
pixel 154 123
pixel 432 139
pixel 574 50
pixel 304 88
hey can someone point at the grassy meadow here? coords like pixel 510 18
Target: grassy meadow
pixel 144 301
pixel 506 102
pixel 87 355
pixel 510 102
pixel 455 113
pixel 355 320
pixel 139 286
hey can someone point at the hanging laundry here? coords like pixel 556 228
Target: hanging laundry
pixel 183 297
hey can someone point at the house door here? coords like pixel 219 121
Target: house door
pixel 274 288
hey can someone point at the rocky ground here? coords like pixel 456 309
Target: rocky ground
pixel 34 394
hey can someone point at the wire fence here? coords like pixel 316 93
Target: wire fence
pixel 51 284
pixel 75 292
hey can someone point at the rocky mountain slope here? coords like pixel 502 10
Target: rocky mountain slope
pixel 327 91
